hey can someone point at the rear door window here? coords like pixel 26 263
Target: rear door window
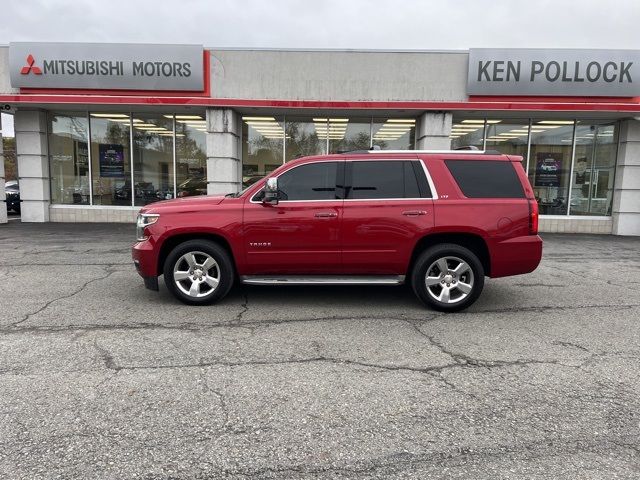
pixel 486 178
pixel 387 179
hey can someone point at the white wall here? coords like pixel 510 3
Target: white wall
pixel 339 75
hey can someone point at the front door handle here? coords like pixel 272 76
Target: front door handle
pixel 326 215
pixel 414 213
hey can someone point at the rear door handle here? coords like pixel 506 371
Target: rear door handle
pixel 414 213
pixel 326 215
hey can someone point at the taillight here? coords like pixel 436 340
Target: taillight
pixel 533 217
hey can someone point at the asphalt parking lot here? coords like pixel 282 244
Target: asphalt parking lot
pixel 100 378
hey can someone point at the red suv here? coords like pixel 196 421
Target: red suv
pixel 438 220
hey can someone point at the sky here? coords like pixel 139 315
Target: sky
pixel 342 24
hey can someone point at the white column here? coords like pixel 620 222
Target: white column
pixel 626 194
pixel 33 165
pixel 3 205
pixel 223 151
pixel 433 131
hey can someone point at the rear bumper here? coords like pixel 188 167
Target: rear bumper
pixel 516 256
pixel 145 260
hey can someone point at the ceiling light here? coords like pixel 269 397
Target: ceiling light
pixel 259 118
pixel 401 120
pixel 263 124
pixel 556 122
pixel 109 115
pixel 339 120
pixel 480 122
pixel 185 117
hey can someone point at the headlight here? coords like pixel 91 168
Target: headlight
pixel 144 220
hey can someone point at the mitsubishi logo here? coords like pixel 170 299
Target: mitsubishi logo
pixel 31 67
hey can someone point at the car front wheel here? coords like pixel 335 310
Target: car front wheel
pixel 448 277
pixel 198 272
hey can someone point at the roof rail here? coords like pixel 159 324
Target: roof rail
pixel 459 152
pixel 467 147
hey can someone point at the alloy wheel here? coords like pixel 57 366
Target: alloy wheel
pixel 196 274
pixel 449 280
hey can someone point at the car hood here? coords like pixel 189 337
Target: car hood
pixel 186 204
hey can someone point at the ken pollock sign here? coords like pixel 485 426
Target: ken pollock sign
pixel 101 66
pixel 567 72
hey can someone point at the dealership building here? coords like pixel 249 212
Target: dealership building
pixel 103 129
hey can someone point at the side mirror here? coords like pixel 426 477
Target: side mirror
pixel 271 192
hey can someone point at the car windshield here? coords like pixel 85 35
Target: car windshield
pixel 239 194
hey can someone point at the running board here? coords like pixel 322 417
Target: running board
pixel 322 279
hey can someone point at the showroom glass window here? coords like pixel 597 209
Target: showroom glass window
pixel 509 136
pixel 394 133
pixel 191 155
pixel 69 158
pixel 593 168
pixel 305 137
pixel 347 134
pixel 110 158
pixel 467 132
pixel 152 158
pixel 550 164
pixel 262 147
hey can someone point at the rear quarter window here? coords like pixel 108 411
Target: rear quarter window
pixel 486 178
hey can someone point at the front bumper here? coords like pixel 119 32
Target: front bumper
pixel 145 260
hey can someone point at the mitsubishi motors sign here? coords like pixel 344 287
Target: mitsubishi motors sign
pixel 566 72
pixel 99 66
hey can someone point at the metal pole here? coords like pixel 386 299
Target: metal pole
pixel 573 156
pixel 593 164
pixel 133 190
pixel 175 161
pixel 90 157
pixel 529 145
pixel 284 140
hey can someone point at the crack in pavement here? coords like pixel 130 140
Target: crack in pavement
pixel 111 364
pixel 569 344
pixel 62 297
pixel 456 456
pixel 106 357
pixel 244 305
pixel 251 324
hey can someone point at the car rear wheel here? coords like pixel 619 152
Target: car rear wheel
pixel 198 272
pixel 448 277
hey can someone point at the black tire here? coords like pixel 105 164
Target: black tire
pixel 224 270
pixel 461 299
